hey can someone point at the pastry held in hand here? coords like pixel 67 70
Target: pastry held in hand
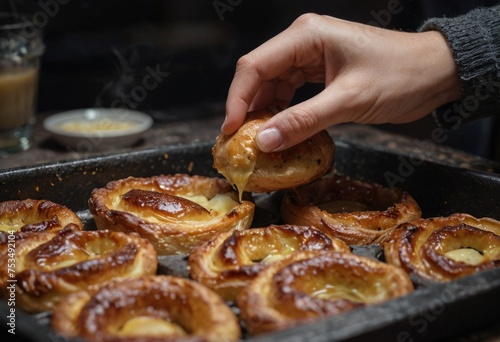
pixel 311 285
pixel 357 212
pixel 239 160
pixel 149 308
pixel 48 270
pixel 229 261
pixel 445 248
pixel 176 213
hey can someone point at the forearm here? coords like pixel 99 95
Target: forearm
pixel 475 41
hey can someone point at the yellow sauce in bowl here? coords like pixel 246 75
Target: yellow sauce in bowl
pixel 95 125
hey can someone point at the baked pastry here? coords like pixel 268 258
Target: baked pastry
pixel 150 308
pixel 357 212
pixel 444 248
pixel 239 160
pixel 176 213
pixel 24 225
pixel 308 286
pixel 229 261
pixel 18 217
pixel 47 271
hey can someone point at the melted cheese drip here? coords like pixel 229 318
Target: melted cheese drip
pixel 240 169
pixel 240 180
pixel 466 255
pixel 342 206
pixel 150 326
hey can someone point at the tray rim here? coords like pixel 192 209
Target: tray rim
pixel 305 330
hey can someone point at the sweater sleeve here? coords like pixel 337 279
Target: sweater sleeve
pixel 475 41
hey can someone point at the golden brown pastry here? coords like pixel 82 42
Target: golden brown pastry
pixel 18 217
pixel 229 261
pixel 307 286
pixel 445 248
pixel 46 270
pixel 176 213
pixel 24 225
pixel 150 308
pixel 357 212
pixel 237 158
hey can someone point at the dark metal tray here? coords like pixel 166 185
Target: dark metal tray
pixel 432 312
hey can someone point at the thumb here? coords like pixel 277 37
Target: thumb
pixel 298 123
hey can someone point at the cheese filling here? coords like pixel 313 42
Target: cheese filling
pixel 468 256
pixel 220 204
pixel 342 206
pixel 330 291
pixel 151 326
pixel 240 180
pixel 11 226
pixel 240 168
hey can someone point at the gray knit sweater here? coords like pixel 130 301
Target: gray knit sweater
pixel 475 41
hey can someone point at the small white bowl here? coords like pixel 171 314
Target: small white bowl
pixel 97 128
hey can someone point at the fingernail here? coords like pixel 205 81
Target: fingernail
pixel 269 139
pixel 223 124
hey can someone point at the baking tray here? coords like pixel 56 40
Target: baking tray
pixel 432 312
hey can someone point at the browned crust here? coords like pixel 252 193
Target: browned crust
pixel 229 261
pixel 386 208
pixel 281 296
pixel 30 215
pixel 49 268
pixel 179 225
pixel 97 315
pixel 273 171
pixel 419 246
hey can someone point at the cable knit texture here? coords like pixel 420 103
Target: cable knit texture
pixel 475 41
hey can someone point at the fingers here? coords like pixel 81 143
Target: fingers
pixel 243 88
pixel 248 88
pixel 299 122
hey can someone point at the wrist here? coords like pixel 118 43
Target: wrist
pixel 442 68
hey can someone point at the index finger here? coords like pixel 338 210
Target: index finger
pixel 266 62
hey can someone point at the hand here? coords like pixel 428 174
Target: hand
pixel 371 75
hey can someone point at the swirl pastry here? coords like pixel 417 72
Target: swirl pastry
pixel 47 271
pixel 19 217
pixel 308 285
pixel 445 248
pixel 149 308
pixel 229 261
pixel 237 158
pixel 357 212
pixel 176 213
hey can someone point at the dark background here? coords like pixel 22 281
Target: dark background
pixel 98 52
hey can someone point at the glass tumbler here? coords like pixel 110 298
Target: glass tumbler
pixel 21 46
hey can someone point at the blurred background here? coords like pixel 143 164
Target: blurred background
pixel 175 60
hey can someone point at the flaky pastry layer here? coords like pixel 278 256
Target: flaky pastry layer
pixel 149 308
pixel 176 213
pixel 239 160
pixel 445 248
pixel 48 268
pixel 229 261
pixel 19 217
pixel 310 285
pixel 357 212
